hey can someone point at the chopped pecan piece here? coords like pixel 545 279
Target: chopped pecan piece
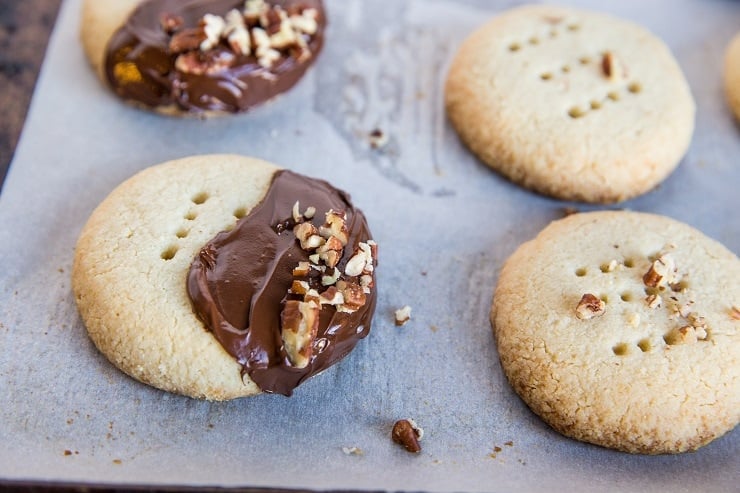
pixel 170 22
pixel 354 296
pixel 662 272
pixel 300 323
pixel 195 63
pixel 307 235
pixel 187 40
pixel 335 226
pixel 402 315
pixel 653 300
pixel 407 434
pixel 685 335
pixel 589 307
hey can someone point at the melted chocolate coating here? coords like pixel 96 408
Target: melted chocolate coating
pixel 140 67
pixel 240 279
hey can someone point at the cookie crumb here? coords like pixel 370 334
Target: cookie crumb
pixel 402 315
pixel 352 451
pixel 377 138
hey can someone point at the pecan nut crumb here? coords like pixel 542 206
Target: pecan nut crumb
pixel 402 315
pixel 300 324
pixel 589 307
pixel 407 434
pixel 687 334
pixel 170 22
pixel 735 313
pixel 612 68
pixel 352 451
pixel 653 300
pixel 662 272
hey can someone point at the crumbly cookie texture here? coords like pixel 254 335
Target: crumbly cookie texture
pixel 569 103
pixel 131 264
pixel 621 329
pixel 732 75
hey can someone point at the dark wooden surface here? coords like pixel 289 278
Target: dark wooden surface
pixel 25 26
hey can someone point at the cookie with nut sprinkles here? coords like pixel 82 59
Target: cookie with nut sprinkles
pixel 622 329
pixel 202 57
pixel 573 104
pixel 223 276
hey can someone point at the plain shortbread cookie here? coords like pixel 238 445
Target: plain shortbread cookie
pixel 528 93
pixel 131 265
pixel 634 378
pixel 732 75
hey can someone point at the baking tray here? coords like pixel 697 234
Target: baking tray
pixel 445 224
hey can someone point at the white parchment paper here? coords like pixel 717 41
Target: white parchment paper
pixel 445 224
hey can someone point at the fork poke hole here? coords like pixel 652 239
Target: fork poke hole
pixel 634 87
pixel 584 60
pixel 581 272
pixel 604 298
pixel 554 33
pixel 190 216
pixel 576 112
pixel 534 40
pixel 546 76
pixel 629 263
pixel 595 105
pixel 614 96
pixel 645 345
pixel 240 212
pixel 573 27
pixel 627 297
pixel 169 253
pixel 621 349
pixel 200 198
pixel 605 268
pixel 182 233
pixel 515 47
pixel 565 69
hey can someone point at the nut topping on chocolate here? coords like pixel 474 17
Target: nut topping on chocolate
pixel 589 307
pixel 344 292
pixel 265 46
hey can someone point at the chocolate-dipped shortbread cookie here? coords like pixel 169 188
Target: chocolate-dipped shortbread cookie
pixel 222 276
pixel 202 57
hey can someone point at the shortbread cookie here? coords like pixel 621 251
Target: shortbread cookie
pixel 202 57
pixel 220 276
pixel 732 75
pixel 622 329
pixel 569 103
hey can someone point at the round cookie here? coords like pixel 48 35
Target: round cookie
pixel 152 276
pixel 622 329
pixel 201 57
pixel 732 75
pixel 570 103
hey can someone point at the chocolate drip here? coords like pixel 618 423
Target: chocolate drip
pixel 240 280
pixel 140 65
